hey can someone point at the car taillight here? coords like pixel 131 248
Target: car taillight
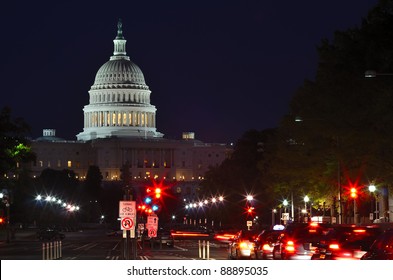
pixel 290 246
pixel 266 247
pixel 334 246
pixel 245 245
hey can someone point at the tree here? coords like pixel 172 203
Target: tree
pixel 245 172
pixel 346 132
pixel 93 182
pixel 14 146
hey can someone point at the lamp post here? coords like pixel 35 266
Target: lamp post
pixel 373 190
pixel 274 211
pixel 285 215
pixel 306 200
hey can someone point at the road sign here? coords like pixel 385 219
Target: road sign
pixel 127 208
pixel 152 221
pixel 152 232
pixel 127 223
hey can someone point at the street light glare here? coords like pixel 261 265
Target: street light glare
pixel 372 188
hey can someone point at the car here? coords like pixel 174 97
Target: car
pixel 265 243
pixel 164 236
pixel 50 234
pixel 242 245
pixel 225 236
pixel 346 242
pixel 114 232
pixel 298 241
pixel 382 247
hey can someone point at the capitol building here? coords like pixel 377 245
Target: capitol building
pixel 120 130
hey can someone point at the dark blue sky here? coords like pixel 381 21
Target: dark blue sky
pixel 218 68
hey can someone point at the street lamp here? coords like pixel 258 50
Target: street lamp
pixel 373 74
pixel 306 200
pixel 285 203
pixel 373 189
pixel 274 211
pixel 285 216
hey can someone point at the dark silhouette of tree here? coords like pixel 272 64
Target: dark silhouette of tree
pixel 93 182
pixel 346 128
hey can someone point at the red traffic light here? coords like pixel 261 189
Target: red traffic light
pixel 1 220
pixel 354 192
pixel 157 192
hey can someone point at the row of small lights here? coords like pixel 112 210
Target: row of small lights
pixel 181 178
pixel 53 199
pixel 203 203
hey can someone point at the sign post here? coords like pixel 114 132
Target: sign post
pixel 127 214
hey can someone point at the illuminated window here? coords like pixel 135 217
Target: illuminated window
pixel 114 119
pixel 69 164
pixel 119 119
pixel 41 163
pixel 124 118
pixel 58 163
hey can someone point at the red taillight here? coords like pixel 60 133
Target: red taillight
pixel 246 245
pixel 266 247
pixel 334 246
pixel 290 247
pixel 359 230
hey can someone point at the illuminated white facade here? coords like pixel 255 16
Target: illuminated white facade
pixel 119 103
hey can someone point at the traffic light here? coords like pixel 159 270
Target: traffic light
pixel 250 210
pixel 1 220
pixel 157 192
pixel 354 193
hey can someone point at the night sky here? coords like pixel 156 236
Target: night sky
pixel 217 68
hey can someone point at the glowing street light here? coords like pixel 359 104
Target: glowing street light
pixel 373 189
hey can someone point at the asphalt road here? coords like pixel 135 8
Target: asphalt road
pixel 94 244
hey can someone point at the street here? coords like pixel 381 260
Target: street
pixel 94 244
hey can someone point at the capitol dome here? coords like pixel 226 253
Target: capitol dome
pixel 121 71
pixel 119 100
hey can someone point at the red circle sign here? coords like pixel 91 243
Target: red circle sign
pixel 127 223
pixel 152 232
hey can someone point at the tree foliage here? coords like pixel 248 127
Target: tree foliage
pixel 14 146
pixel 346 130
